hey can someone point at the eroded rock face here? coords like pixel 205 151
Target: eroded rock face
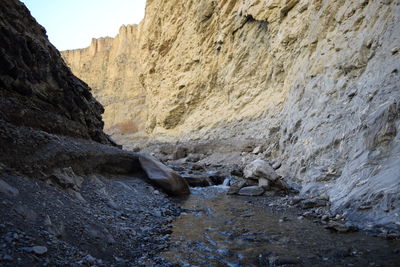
pixel 316 82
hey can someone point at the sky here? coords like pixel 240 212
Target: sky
pixel 72 24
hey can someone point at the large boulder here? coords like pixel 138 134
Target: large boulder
pixel 260 169
pixel 163 176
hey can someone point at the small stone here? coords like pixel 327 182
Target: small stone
pixel 251 191
pixel 157 213
pixel 340 227
pixel 136 149
pixel 39 250
pixel 285 261
pixel 89 259
pixel 324 197
pixel 325 218
pixel 235 188
pixel 276 165
pixel 257 150
pixel 313 203
pixel 156 192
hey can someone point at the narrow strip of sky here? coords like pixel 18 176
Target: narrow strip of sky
pixel 72 24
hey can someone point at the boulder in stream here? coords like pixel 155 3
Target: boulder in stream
pixel 163 176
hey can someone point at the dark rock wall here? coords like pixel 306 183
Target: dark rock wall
pixel 37 89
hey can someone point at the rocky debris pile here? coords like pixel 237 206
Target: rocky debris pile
pixel 120 221
pixel 248 171
pixel 259 178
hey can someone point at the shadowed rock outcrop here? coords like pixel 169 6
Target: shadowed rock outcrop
pixel 68 194
pixel 37 89
pixel 44 108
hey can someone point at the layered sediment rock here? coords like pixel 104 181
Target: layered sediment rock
pixel 316 82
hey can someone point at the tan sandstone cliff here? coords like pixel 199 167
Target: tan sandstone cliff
pixel 110 67
pixel 316 81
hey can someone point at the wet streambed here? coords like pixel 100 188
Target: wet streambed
pixel 221 230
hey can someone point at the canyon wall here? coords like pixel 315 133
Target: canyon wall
pixel 110 67
pixel 316 82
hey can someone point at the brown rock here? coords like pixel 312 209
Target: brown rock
pixel 198 181
pixel 163 176
pixel 340 227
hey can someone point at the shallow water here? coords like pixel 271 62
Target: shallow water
pixel 222 230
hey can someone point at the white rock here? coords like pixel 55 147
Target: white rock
pixel 264 183
pixel 260 169
pixel 39 250
pixel 257 150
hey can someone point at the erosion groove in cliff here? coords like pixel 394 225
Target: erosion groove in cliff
pixel 316 83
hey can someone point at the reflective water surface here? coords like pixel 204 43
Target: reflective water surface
pixel 222 230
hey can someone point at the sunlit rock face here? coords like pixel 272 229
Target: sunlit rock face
pixel 110 66
pixel 316 82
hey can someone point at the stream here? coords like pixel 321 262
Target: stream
pixel 216 229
